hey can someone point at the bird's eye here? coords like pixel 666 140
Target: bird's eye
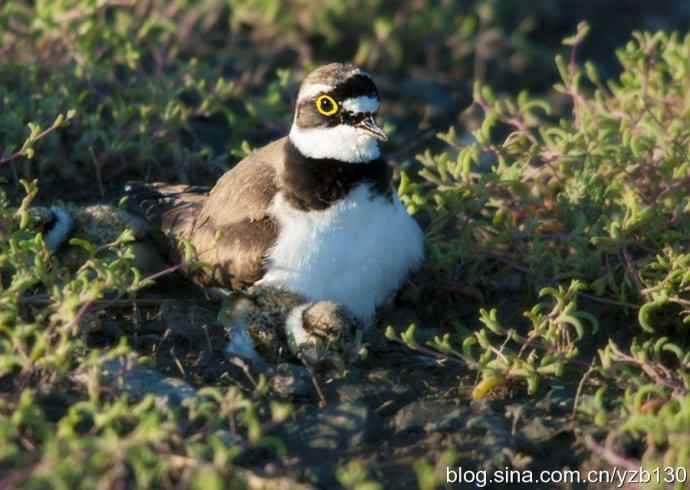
pixel 326 105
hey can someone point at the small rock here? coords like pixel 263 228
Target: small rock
pixel 320 438
pixel 499 445
pixel 138 382
pixel 347 425
pixel 362 392
pixel 384 397
pixel 452 421
pixel 335 428
pixel 422 414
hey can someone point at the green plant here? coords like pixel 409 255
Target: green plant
pixel 100 437
pixel 599 198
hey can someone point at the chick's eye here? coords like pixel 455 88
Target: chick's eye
pixel 326 105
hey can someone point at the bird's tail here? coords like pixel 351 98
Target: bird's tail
pixel 157 202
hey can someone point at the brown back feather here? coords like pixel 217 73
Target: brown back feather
pixel 229 227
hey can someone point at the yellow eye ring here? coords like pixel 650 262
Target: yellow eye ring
pixel 326 105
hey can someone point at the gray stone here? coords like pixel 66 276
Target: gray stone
pixel 138 382
pixel 334 428
pixel 384 397
pixel 452 421
pixel 353 392
pixel 345 425
pixel 321 438
pixel 422 413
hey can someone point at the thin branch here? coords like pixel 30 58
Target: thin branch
pixel 609 456
pixel 45 300
pixel 580 387
pixel 315 382
pixel 86 306
pixel 607 301
pixel 650 370
pixel 19 153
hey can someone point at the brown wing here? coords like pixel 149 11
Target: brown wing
pixel 230 228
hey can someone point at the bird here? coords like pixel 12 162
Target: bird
pixel 314 213
pixel 269 324
pixel 101 225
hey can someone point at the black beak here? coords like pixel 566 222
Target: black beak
pixel 368 125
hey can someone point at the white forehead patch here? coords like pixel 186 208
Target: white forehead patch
pixel 343 143
pixel 361 104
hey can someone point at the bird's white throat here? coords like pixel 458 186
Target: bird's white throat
pixel 343 143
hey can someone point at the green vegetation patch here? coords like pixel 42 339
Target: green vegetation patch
pixel 591 211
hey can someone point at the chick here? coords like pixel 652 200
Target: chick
pixel 100 225
pixel 268 324
pixel 54 223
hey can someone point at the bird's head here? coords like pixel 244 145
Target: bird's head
pixel 335 115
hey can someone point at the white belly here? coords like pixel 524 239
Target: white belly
pixel 356 253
